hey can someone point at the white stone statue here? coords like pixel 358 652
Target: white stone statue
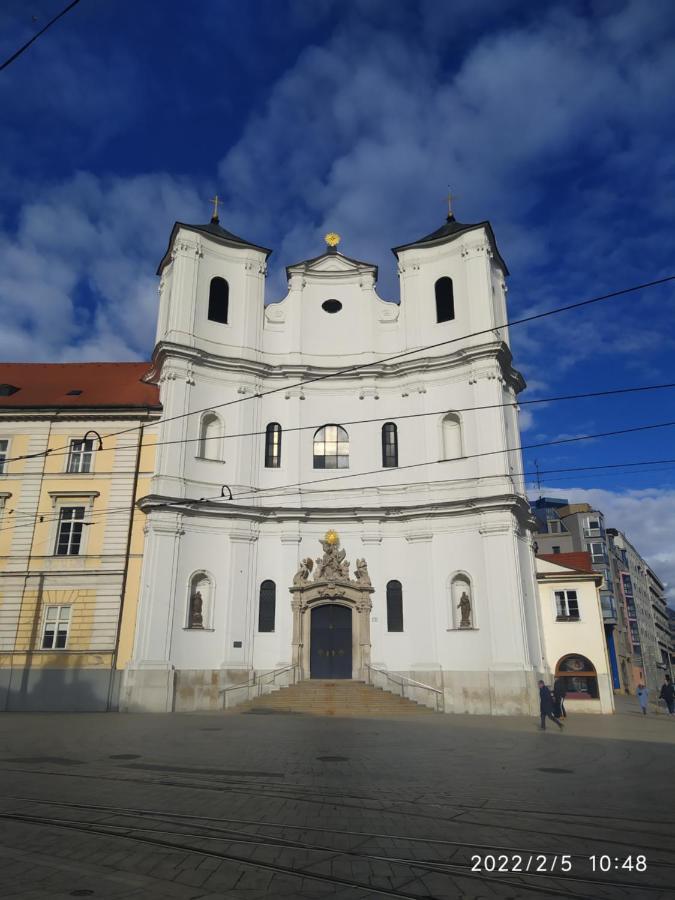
pixel 302 574
pixel 361 574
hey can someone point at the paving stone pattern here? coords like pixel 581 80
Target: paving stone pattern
pixel 199 807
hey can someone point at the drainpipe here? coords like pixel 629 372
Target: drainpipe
pixel 132 508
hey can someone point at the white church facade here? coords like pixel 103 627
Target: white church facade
pixel 336 492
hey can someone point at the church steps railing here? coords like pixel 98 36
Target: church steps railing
pixel 255 686
pixel 407 687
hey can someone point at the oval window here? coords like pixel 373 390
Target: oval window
pixel 331 306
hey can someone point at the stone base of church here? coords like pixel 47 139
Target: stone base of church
pixel 505 693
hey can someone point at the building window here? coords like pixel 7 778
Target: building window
pixel 554 526
pixel 597 551
pixel 389 446
pixel 579 677
pixel 555 548
pixel 210 437
pixel 267 606
pixel 200 605
pixel 445 301
pixel 273 446
pixel 452 436
pixel 79 458
pixel 394 606
pixel 69 537
pixel 6 390
pixel 219 298
pixel 331 448
pixel 566 606
pixel 4 447
pixel 55 634
pixel 627 584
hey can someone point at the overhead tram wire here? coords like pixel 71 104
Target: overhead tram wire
pixel 243 434
pixel 265 492
pixel 49 24
pixel 284 491
pixel 378 362
pixel 562 473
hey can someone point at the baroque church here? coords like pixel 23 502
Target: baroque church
pixel 336 491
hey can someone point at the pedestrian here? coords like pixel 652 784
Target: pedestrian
pixel 643 697
pixel 546 707
pixel 668 694
pixel 559 694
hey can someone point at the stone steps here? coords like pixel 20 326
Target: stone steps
pixel 334 698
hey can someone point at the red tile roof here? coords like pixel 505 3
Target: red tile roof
pixel 580 561
pixel 46 385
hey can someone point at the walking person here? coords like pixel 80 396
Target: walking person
pixel 559 694
pixel 668 694
pixel 546 707
pixel 643 697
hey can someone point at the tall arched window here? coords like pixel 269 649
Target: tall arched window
pixel 267 606
pixel 579 677
pixel 445 300
pixel 452 436
pixel 219 298
pixel 394 606
pixel 273 446
pixel 211 437
pixel 200 601
pixel 389 445
pixel 331 448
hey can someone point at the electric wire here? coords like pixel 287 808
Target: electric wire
pixel 49 24
pixel 61 452
pixel 378 362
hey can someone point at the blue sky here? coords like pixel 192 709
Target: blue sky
pixel 553 120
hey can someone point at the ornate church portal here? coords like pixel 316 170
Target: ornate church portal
pixel 331 615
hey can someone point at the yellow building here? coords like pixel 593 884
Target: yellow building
pixel 76 452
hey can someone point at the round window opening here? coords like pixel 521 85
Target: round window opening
pixel 331 306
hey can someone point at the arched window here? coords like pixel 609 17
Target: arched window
pixel 211 437
pixel 394 606
pixel 331 448
pixel 462 613
pixel 267 606
pixel 219 298
pixel 445 300
pixel 273 446
pixel 389 445
pixel 452 436
pixel 200 601
pixel 579 677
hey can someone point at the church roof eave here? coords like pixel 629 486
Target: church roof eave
pixel 448 232
pixel 215 232
pixel 308 266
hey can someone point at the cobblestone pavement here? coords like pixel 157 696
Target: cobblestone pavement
pixel 199 807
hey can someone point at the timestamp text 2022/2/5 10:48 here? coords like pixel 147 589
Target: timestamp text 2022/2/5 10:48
pixel 544 863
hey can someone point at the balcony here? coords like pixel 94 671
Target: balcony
pixel 608 609
pixel 593 532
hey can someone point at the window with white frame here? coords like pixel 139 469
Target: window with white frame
pixel 79 458
pixel 4 447
pixel 55 632
pixel 566 605
pixel 597 551
pixel 69 534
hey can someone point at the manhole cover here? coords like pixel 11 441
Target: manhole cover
pixel 125 756
pixel 333 758
pixel 558 771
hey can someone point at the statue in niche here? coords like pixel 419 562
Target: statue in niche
pixel 333 564
pixel 361 574
pixel 196 605
pixel 464 606
pixel 302 574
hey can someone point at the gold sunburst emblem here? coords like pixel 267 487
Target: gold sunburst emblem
pixel 332 537
pixel 332 239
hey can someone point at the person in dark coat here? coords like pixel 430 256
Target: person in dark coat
pixel 668 694
pixel 559 694
pixel 546 706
